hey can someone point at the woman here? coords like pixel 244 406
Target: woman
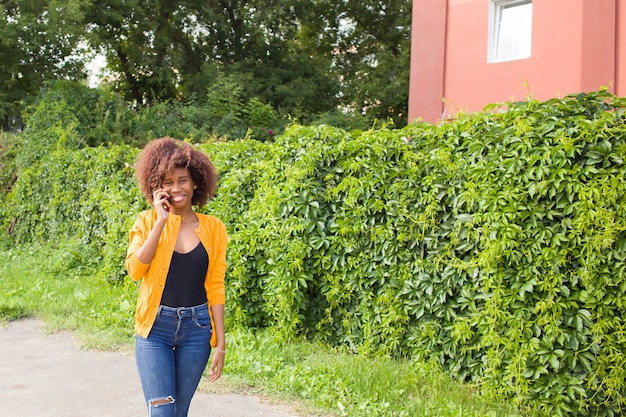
pixel 180 257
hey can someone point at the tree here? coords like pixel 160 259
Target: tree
pixel 304 58
pixel 370 45
pixel 39 41
pixel 143 43
pixel 163 48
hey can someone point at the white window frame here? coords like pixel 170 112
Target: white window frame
pixel 496 13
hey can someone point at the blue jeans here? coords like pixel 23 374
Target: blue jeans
pixel 172 359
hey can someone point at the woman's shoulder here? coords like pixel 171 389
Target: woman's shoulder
pixel 147 215
pixel 143 216
pixel 144 221
pixel 210 221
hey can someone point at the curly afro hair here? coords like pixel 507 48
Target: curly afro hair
pixel 162 156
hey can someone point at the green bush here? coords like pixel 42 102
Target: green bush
pixel 97 116
pixel 88 194
pixel 8 169
pixel 494 243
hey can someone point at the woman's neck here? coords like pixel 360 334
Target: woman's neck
pixel 188 216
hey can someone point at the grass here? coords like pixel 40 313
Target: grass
pixel 60 286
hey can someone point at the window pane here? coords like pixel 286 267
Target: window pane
pixel 514 32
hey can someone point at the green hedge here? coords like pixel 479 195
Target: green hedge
pixel 86 194
pixel 495 242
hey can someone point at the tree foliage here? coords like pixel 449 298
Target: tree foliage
pixel 369 42
pixel 189 46
pixel 494 244
pixel 39 42
pixel 305 59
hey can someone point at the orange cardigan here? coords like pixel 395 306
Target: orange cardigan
pixel 212 234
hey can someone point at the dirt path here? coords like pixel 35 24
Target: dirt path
pixel 44 375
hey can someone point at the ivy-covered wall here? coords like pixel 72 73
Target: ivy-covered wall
pixel 494 243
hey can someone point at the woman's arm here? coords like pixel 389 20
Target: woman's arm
pixel 142 249
pixel 219 352
pixel 146 252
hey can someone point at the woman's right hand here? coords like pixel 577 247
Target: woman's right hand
pixel 161 203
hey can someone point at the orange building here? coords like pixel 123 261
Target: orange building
pixel 466 54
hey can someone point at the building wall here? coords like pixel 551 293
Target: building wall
pixel 620 49
pixel 428 47
pixel 576 47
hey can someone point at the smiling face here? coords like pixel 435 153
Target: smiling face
pixel 179 186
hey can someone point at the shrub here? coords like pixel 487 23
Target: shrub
pixel 88 194
pixel 494 243
pixel 98 117
pixel 8 170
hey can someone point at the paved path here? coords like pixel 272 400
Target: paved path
pixel 48 375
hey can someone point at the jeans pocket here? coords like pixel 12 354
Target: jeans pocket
pixel 203 321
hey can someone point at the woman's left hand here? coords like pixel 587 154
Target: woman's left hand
pixel 217 364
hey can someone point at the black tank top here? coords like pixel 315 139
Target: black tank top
pixel 184 286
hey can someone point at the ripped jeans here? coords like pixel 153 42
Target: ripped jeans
pixel 172 359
